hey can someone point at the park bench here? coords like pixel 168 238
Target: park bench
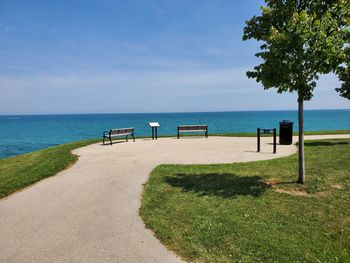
pixel 192 128
pixel 118 133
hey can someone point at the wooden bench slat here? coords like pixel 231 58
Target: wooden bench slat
pixel 120 134
pixel 192 128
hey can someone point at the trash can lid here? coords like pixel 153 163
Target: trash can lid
pixel 286 121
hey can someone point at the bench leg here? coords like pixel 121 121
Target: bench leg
pixel 126 138
pixel 110 139
pixel 178 134
pixel 103 141
pixel 133 137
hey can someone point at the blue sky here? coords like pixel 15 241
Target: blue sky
pixel 135 56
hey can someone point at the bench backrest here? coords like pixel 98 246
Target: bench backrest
pixel 192 127
pixel 121 131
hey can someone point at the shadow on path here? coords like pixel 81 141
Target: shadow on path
pixel 223 185
pixel 115 142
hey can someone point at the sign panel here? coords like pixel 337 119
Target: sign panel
pixel 154 124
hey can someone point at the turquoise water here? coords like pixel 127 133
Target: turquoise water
pixel 26 133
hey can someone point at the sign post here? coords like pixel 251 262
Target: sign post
pixel 154 126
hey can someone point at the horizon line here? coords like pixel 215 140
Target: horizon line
pixel 165 112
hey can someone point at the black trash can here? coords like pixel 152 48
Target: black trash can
pixel 286 132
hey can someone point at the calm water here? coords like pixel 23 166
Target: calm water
pixel 21 134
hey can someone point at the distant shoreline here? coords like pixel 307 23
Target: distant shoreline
pixel 170 112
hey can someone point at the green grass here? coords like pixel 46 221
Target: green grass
pixel 325 132
pixel 23 170
pixel 254 212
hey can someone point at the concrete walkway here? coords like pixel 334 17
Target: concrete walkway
pixel 89 212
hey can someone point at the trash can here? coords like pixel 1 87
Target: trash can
pixel 286 132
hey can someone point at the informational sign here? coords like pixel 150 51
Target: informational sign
pixel 154 126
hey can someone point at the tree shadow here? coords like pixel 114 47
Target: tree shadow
pixel 223 185
pixel 320 143
pixel 287 183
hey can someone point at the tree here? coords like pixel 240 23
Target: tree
pixel 302 39
pixel 344 76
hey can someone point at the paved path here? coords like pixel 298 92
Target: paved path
pixel 89 212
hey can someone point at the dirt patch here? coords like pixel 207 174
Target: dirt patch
pixel 271 181
pixel 337 186
pixel 274 183
pixel 293 192
pixel 345 221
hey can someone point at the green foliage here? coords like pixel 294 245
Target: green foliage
pixel 254 212
pixel 302 39
pixel 344 76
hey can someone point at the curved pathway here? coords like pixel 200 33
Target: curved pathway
pixel 89 212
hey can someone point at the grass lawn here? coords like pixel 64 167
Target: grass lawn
pixel 23 170
pixel 254 212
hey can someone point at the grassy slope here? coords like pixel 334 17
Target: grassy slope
pixel 23 170
pixel 232 213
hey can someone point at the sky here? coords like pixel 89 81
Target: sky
pixel 110 56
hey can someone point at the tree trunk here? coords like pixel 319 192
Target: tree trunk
pixel 301 178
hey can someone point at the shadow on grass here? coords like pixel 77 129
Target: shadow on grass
pixel 223 185
pixel 324 143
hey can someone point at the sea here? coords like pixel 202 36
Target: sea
pixel 26 133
